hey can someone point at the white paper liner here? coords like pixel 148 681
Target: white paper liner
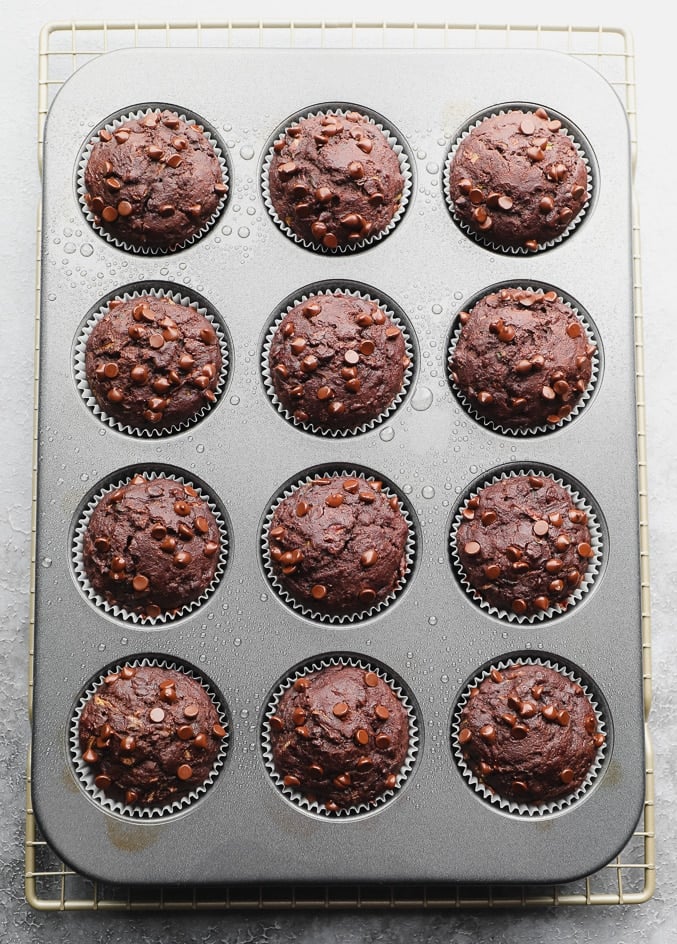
pixel 111 126
pixel 340 618
pixel 577 593
pixel 504 803
pixel 313 806
pixel 471 408
pixel 363 427
pixel 119 611
pixel 485 240
pixel 405 170
pixel 86 775
pixel 81 374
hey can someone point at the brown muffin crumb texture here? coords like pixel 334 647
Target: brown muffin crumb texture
pixel 338 544
pixel 529 733
pixel 517 179
pixel 337 361
pixel 153 182
pixel 340 737
pixel 522 359
pixel 150 735
pixel 334 179
pixel 523 544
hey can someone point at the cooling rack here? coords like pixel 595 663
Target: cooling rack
pixel 50 885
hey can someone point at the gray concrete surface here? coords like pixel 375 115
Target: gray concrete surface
pixel 655 921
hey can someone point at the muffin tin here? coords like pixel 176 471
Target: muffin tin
pixel 432 636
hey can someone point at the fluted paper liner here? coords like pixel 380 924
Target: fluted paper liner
pixel 367 612
pixel 314 806
pixel 362 427
pixel 161 429
pixel 122 612
pixel 587 579
pixel 111 126
pixel 86 775
pixel 405 170
pixel 505 803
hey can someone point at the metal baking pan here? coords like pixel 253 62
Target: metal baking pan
pixel 244 638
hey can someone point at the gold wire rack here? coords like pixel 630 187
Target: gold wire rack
pixel 50 885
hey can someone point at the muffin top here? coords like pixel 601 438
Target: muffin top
pixel 337 361
pixel 335 180
pixel 517 179
pixel 152 363
pixel 338 544
pixel 151 546
pixel 529 733
pixel 523 544
pixel 339 736
pixel 522 358
pixel 154 182
pixel 150 735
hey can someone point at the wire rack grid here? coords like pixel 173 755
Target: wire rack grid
pixel 50 885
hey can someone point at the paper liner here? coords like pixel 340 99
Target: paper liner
pixel 115 609
pixel 81 375
pixel 485 241
pixel 410 550
pixel 472 409
pixel 405 170
pixel 86 776
pixel 363 427
pixel 504 803
pixel 578 592
pixel 111 125
pixel 297 798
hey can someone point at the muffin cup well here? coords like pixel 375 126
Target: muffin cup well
pixel 397 320
pixel 506 430
pixel 111 125
pixel 313 806
pixel 505 803
pixel 82 383
pixel 336 618
pixel 120 612
pixel 394 140
pixel 587 580
pixel 577 139
pixel 85 775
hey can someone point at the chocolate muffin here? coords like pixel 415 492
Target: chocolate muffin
pixel 337 361
pixel 338 545
pixel 335 180
pixel 154 182
pixel 150 735
pixel 152 363
pixel 522 358
pixel 340 737
pixel 518 180
pixel 523 544
pixel 151 546
pixel 529 733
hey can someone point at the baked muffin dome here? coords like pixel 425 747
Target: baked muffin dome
pixel 529 733
pixel 523 544
pixel 154 182
pixel 338 545
pixel 339 736
pixel 522 359
pixel 517 180
pixel 335 180
pixel 151 546
pixel 337 361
